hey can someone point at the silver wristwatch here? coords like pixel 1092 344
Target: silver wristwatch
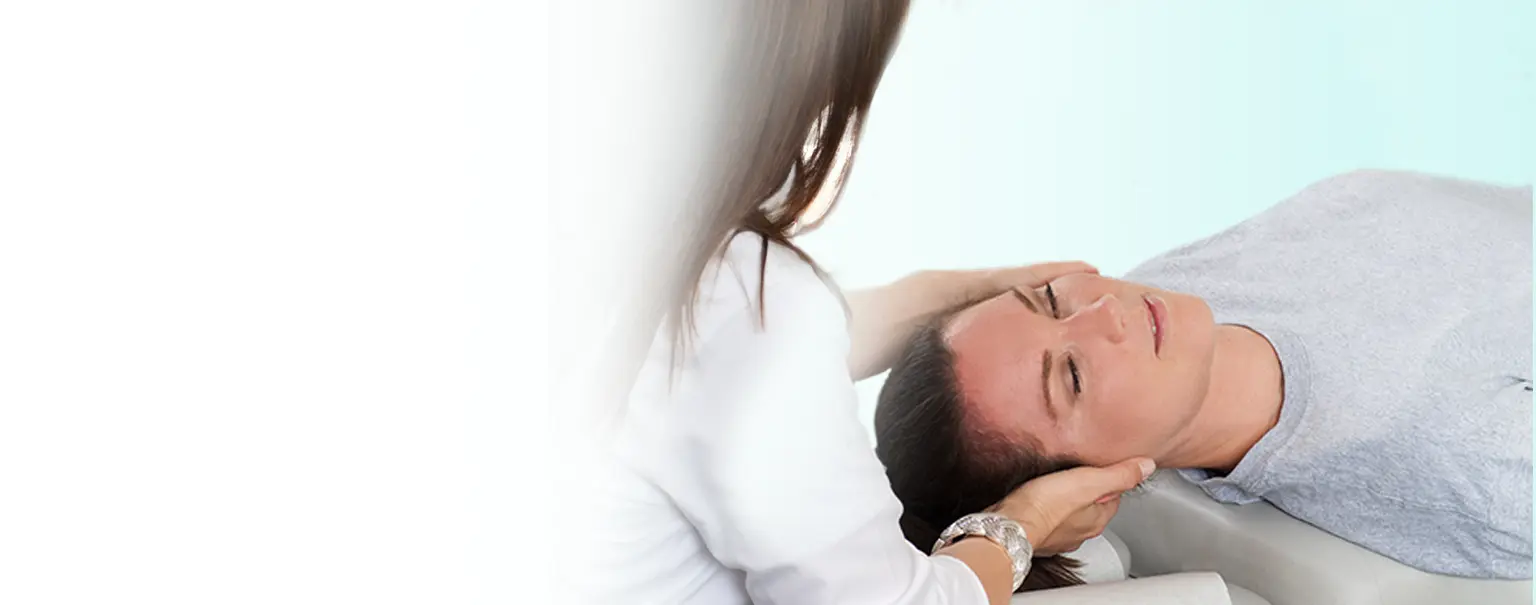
pixel 997 528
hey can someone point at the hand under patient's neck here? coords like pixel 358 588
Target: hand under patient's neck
pixel 1241 405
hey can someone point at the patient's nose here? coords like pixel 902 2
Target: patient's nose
pixel 1101 319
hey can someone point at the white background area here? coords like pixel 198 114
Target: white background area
pixel 266 275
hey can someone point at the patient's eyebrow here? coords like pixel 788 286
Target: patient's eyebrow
pixel 1045 384
pixel 1045 357
pixel 1019 294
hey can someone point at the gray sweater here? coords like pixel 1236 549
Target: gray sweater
pixel 1400 306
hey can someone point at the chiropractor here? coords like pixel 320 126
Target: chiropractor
pixel 740 469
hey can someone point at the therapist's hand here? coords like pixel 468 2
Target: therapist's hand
pixel 1061 510
pixel 884 317
pixel 997 281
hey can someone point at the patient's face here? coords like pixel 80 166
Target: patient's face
pixel 1091 378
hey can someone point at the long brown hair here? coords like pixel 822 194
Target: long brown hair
pixel 798 78
pixel 940 466
pixel 812 78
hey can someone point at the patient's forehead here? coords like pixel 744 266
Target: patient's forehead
pixel 998 324
pixel 997 355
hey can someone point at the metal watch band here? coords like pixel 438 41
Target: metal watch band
pixel 997 528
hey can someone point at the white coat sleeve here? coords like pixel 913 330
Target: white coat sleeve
pixel 778 475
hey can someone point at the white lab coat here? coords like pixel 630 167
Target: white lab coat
pixel 751 478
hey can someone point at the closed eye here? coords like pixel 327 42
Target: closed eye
pixel 1077 381
pixel 1077 378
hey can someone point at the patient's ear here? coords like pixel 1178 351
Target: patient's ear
pixel 1058 571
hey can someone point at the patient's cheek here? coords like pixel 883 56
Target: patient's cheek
pixel 1130 430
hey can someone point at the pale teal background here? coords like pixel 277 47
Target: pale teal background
pixel 1014 132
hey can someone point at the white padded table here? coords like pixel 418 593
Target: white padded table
pixel 1173 527
pixel 1105 561
pixel 1174 589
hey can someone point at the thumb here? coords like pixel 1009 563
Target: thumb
pixel 1107 482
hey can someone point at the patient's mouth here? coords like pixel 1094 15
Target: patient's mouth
pixel 1156 313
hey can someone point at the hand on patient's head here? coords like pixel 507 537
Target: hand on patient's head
pixel 1061 510
pixel 1031 276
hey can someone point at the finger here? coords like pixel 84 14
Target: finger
pixel 1109 509
pixel 1096 483
pixel 1106 513
pixel 1046 272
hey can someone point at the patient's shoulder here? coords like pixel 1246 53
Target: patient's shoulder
pixel 1412 187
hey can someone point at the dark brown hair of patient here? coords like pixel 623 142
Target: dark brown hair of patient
pixel 939 468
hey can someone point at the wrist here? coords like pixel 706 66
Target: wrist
pixel 982 543
pixel 998 529
pixel 1034 532
pixel 1031 520
pixel 953 287
pixel 990 562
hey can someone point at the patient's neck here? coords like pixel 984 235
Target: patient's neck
pixel 1241 405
